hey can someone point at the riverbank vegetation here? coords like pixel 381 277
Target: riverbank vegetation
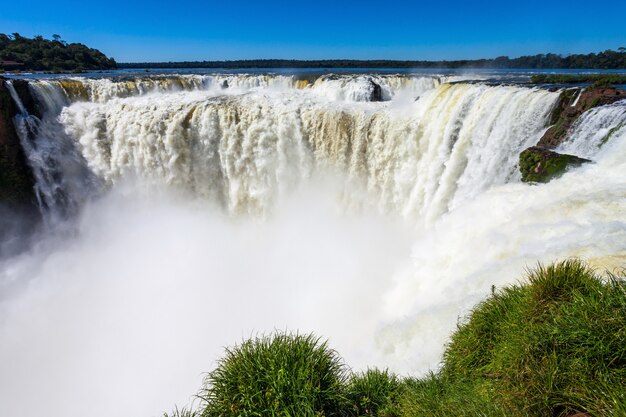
pixel 554 345
pixel 21 53
pixel 596 80
pixel 608 59
pixel 39 54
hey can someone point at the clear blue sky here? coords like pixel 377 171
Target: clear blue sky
pixel 132 31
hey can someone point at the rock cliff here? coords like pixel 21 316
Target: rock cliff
pixel 16 181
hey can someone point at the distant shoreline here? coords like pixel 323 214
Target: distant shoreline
pixel 19 53
pixel 607 60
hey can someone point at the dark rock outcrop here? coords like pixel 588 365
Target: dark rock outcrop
pixel 16 180
pixel 542 165
pixel 376 92
pixel 29 102
pixel 566 113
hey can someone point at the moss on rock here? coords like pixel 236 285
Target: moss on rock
pixel 542 165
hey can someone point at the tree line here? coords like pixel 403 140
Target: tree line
pixel 608 59
pixel 54 54
pixel 598 80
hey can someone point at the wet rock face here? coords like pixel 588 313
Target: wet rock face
pixel 23 91
pixel 376 92
pixel 16 182
pixel 571 106
pixel 542 165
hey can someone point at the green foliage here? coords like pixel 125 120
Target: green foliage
pixel 596 80
pixel 182 412
pixel 279 375
pixel 559 283
pixel 541 349
pixel 554 345
pixel 608 59
pixel 436 396
pixel 51 55
pixel 612 132
pixel 541 165
pixel 373 393
pixel 566 96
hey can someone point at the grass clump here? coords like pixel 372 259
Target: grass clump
pixel 554 345
pixel 279 375
pixel 542 348
pixel 182 412
pixel 438 396
pixel 373 393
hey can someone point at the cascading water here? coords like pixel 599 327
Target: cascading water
pixel 418 158
pixel 363 88
pixel 62 180
pixel 490 240
pixel 338 88
pixel 593 129
pixel 157 278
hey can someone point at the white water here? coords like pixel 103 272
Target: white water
pixel 122 318
pixel 416 158
pixel 62 182
pixel 359 87
pixel 349 88
pixel 593 129
pixel 491 240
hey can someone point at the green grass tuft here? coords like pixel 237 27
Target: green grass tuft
pixel 561 282
pixel 373 393
pixel 538 349
pixel 279 375
pixel 182 412
pixel 437 396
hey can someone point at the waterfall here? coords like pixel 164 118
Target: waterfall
pixel 419 158
pixel 422 211
pixel 492 239
pixel 335 87
pixel 362 87
pixel 62 180
pixel 593 129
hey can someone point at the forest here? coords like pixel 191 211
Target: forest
pixel 56 55
pixel 608 59
pixel 39 54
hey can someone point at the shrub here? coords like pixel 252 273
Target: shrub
pixel 540 348
pixel 279 375
pixel 373 393
pixel 437 396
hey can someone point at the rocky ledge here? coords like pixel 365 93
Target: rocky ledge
pixel 542 165
pixel 572 103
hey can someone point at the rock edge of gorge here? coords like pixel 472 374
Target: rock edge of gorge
pixel 540 163
pixel 16 178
